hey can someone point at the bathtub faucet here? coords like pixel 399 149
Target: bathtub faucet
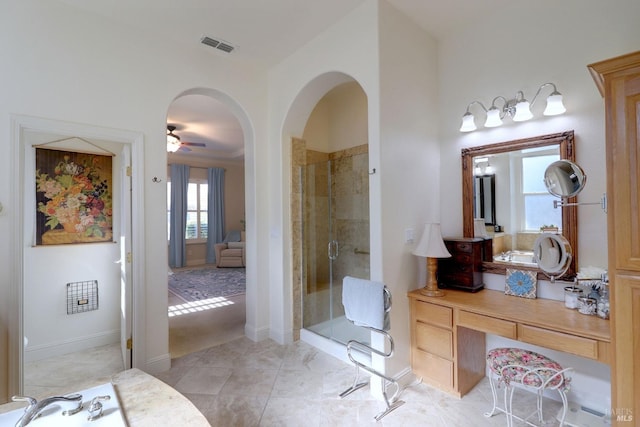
pixel 34 408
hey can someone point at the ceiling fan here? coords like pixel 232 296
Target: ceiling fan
pixel 174 144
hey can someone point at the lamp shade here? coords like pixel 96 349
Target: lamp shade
pixel 431 244
pixel 493 118
pixel 523 111
pixel 468 123
pixel 554 105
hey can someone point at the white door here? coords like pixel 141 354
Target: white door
pixel 125 258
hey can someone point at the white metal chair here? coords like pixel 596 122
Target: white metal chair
pixel 534 372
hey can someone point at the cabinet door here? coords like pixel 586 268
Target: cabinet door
pixel 619 81
pixel 623 168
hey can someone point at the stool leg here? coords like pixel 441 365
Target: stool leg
pixel 563 396
pixel 508 403
pixel 494 393
pixel 539 405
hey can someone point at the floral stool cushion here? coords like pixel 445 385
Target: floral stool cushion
pixel 526 367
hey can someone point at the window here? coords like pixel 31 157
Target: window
pixel 537 202
pixel 197 205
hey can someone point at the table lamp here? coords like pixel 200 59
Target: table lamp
pixel 431 247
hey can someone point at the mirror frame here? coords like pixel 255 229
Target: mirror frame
pixel 566 144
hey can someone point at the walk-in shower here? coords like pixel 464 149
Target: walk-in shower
pixel 335 238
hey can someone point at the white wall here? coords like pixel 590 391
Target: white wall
pixel 408 169
pixel 50 330
pixel 295 86
pixel 520 47
pixel 72 66
pixel 339 120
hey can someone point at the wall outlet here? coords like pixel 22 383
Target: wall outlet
pixel 408 235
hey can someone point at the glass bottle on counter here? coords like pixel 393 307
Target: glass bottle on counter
pixel 603 302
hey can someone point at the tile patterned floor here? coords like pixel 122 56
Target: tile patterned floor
pixel 242 383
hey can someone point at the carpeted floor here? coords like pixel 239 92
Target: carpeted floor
pixel 195 284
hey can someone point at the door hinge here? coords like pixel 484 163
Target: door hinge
pixel 129 343
pixel 129 257
pixel 128 170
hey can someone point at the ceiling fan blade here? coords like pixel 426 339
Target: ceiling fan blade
pixel 184 148
pixel 195 144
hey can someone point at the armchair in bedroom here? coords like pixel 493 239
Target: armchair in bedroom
pixel 230 254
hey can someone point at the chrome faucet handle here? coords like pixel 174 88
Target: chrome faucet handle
pixel 95 408
pixel 29 399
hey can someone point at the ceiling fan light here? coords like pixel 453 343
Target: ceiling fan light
pixel 493 118
pixel 468 123
pixel 523 111
pixel 554 105
pixel 173 140
pixel 172 147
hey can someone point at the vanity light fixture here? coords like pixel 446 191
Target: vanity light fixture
pixel 482 167
pixel 518 108
pixel 432 247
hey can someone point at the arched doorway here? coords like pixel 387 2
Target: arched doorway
pixel 213 130
pixel 330 206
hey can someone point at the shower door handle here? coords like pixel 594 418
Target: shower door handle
pixel 332 250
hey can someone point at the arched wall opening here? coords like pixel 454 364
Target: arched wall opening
pixel 249 196
pixel 329 201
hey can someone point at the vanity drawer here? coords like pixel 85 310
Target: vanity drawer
pixel 559 341
pixel 433 314
pixel 435 340
pixel 434 370
pixel 490 325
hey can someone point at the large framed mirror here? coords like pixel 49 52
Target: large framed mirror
pixel 523 206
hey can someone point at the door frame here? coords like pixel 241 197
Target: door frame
pixel 135 141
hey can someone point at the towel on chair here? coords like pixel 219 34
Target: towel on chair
pixel 364 302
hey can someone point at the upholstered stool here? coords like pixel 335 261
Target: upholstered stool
pixel 530 369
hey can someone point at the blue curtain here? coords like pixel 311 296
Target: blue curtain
pixel 178 225
pixel 215 211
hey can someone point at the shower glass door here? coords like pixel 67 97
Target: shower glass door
pixel 335 216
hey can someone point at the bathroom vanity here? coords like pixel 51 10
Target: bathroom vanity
pixel 448 333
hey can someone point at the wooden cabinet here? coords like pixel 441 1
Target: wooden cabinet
pixel 618 80
pixel 432 343
pixel 448 333
pixel 464 269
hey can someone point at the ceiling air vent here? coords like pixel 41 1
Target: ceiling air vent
pixel 217 44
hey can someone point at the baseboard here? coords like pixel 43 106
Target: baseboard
pixel 335 349
pixel 256 335
pixel 33 353
pixel 158 364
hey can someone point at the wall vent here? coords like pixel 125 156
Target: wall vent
pixel 217 44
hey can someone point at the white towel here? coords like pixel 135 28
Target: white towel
pixel 363 302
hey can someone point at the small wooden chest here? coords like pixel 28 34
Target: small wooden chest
pixel 464 269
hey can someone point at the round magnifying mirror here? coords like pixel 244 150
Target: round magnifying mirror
pixel 553 254
pixel 564 178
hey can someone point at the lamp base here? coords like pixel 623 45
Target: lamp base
pixel 431 288
pixel 431 292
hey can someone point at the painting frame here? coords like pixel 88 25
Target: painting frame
pixel 73 200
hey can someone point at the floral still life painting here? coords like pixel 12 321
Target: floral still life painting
pixel 521 283
pixel 73 197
